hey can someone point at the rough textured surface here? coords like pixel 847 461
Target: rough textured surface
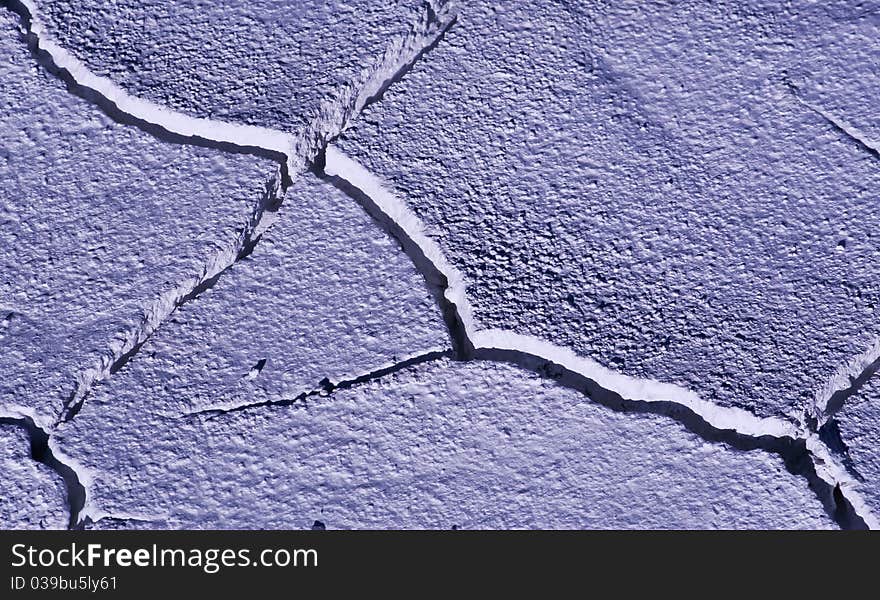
pixel 664 214
pixel 259 62
pixel 31 495
pixel 447 444
pixel 325 294
pixel 634 184
pixel 858 425
pixel 97 221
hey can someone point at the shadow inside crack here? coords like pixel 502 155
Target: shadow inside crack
pixel 794 452
pixel 436 281
pixel 113 111
pixel 42 453
pixel 247 239
pixel 326 387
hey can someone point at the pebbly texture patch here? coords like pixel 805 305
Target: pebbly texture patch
pixel 99 225
pixel 857 427
pixel 471 445
pixel 649 186
pixel 569 265
pixel 32 496
pixel 258 62
pixel 325 294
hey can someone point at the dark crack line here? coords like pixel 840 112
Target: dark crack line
pixel 845 131
pixel 838 399
pixel 793 451
pixel 169 303
pixel 41 452
pixel 819 417
pixel 436 281
pixel 326 387
pixel 432 17
pixel 397 61
pixel 830 435
pixel 283 148
pixel 112 109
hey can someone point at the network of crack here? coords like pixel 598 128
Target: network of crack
pixel 800 441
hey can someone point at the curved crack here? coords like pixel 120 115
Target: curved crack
pixel 392 215
pixel 848 510
pixel 845 384
pixel 804 454
pixel 849 130
pixel 292 152
pixel 166 305
pixel 818 417
pixel 168 125
pixel 42 452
